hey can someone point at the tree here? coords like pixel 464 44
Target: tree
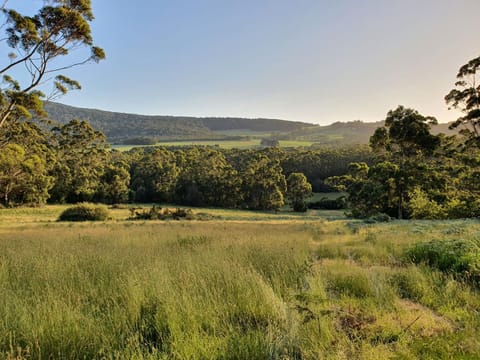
pixel 23 177
pixel 466 97
pixel 298 189
pixel 206 178
pixel 263 183
pixel 36 45
pixel 154 176
pixel 406 142
pixel 114 183
pixel 81 159
pixel 405 149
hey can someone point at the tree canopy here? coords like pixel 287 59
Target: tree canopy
pixel 466 97
pixel 35 44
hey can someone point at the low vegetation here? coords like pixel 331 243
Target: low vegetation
pixel 84 212
pixel 273 289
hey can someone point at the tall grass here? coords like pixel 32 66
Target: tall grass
pixel 233 290
pixel 172 291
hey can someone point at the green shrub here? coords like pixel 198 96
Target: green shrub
pixel 300 207
pixel 422 207
pixel 381 217
pixel 158 213
pixel 329 204
pixel 460 258
pixel 84 212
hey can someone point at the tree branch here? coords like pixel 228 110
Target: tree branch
pixel 25 58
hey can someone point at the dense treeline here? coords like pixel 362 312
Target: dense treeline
pixel 72 163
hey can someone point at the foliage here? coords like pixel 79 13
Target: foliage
pixel 263 184
pixel 458 257
pixel 114 183
pixel 23 177
pixel 466 97
pixel 154 176
pixel 324 162
pixel 422 207
pixel 298 189
pixel 324 203
pixel 81 161
pixel 405 149
pixel 206 179
pixel 158 213
pixel 37 42
pixel 84 212
pixel 378 218
pixel 119 127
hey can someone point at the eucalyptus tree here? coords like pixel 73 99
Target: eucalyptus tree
pixel 23 177
pixel 263 183
pixel 406 160
pixel 82 155
pixel 34 48
pixel 154 175
pixel 406 142
pixel 466 97
pixel 298 190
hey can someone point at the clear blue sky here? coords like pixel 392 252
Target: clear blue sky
pixel 308 60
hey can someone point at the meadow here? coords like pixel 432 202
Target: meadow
pixel 241 285
pixel 224 144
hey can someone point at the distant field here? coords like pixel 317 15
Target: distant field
pixel 245 144
pixel 49 214
pixel 244 285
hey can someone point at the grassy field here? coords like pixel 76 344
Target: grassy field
pixel 237 144
pixel 240 286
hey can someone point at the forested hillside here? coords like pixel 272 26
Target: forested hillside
pixel 136 129
pixel 120 126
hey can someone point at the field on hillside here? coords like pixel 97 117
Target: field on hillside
pixel 239 286
pixel 227 144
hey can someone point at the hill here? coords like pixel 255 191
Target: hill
pixel 133 129
pixel 352 132
pixel 119 127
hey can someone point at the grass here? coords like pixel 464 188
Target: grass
pixel 224 144
pixel 48 214
pixel 241 286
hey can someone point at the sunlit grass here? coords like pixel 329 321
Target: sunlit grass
pixel 224 144
pixel 230 288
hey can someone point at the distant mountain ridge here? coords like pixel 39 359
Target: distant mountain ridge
pixel 133 128
pixel 120 126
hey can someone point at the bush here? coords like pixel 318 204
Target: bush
pixel 158 213
pixel 381 217
pixel 300 207
pixel 84 212
pixel 329 204
pixel 421 207
pixel 461 258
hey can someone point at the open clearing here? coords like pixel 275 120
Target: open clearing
pixel 243 285
pixel 224 144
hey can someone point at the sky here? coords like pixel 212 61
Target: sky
pixel 317 61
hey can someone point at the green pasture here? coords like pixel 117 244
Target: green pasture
pixel 227 144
